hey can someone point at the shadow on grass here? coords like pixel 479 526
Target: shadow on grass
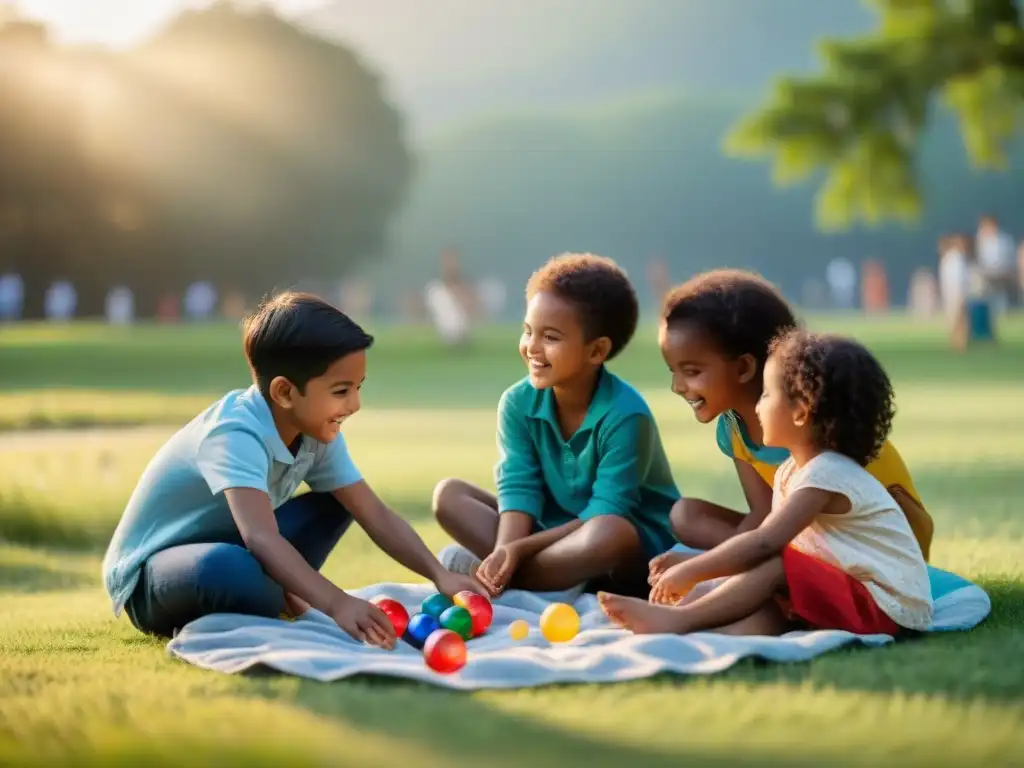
pixel 463 729
pixel 983 664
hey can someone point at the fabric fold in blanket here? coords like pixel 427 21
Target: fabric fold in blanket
pixel 314 647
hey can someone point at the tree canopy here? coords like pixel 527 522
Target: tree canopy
pixel 859 123
pixel 232 147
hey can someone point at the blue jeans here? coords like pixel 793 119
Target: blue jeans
pixel 182 583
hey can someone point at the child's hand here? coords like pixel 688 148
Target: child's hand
pixel 672 586
pixel 663 562
pixel 451 584
pixel 364 621
pixel 495 572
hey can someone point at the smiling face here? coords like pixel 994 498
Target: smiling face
pixel 328 399
pixel 710 381
pixel 554 345
pixel 784 422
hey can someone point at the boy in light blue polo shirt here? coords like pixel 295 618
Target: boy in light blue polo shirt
pixel 584 489
pixel 213 527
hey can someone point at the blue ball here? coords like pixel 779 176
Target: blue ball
pixel 420 627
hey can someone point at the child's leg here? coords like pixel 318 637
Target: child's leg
pixel 468 514
pixel 741 602
pixel 601 546
pixel 182 583
pixel 698 524
pixel 185 582
pixel 703 524
pixel 313 523
pixel 606 545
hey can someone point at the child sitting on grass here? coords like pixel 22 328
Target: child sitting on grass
pixel 212 526
pixel 835 552
pixel 583 485
pixel 714 337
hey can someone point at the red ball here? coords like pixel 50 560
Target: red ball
pixel 444 651
pixel 396 612
pixel 480 610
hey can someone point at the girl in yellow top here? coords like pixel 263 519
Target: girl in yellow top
pixel 715 333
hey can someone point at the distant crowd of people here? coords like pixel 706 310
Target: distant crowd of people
pixel 60 304
pixel 983 273
pixel 979 277
pixel 990 266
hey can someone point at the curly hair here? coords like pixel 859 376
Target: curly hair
pixel 599 289
pixel 741 311
pixel 848 391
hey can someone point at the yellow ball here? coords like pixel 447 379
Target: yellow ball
pixel 518 629
pixel 559 623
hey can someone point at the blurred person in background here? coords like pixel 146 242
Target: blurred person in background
pixel 995 258
pixel 12 296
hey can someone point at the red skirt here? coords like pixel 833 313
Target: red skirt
pixel 824 597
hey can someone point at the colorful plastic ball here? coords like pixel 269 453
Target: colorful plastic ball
pixel 459 621
pixel 479 608
pixel 445 652
pixel 420 628
pixel 559 623
pixel 395 611
pixel 518 629
pixel 435 605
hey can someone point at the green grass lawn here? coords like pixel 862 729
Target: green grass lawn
pixel 79 687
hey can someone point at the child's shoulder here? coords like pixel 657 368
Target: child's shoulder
pixel 624 398
pixel 839 473
pixel 240 410
pixel 521 396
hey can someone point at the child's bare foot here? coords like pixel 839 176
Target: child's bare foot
pixel 663 562
pixel 639 616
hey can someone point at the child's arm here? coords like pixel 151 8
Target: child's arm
pixel 236 462
pixel 518 478
pixel 497 568
pixel 397 538
pixel 334 472
pixel 626 452
pixel 254 516
pixel 757 493
pixel 749 549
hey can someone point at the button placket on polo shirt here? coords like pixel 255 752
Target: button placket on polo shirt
pixel 570 465
pixel 294 473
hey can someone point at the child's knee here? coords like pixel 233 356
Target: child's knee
pixel 612 533
pixel 685 516
pixel 229 579
pixel 448 497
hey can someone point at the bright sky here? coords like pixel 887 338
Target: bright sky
pixel 119 23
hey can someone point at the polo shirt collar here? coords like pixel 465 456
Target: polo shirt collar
pixel 272 438
pixel 604 396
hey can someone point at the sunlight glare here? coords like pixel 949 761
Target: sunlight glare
pixel 120 23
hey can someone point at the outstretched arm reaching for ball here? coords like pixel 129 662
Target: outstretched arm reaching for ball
pixel 398 540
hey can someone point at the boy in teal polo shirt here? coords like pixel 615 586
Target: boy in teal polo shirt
pixel 584 489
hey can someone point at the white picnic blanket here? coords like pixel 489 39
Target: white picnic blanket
pixel 315 647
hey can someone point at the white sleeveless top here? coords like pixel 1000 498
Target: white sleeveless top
pixel 872 542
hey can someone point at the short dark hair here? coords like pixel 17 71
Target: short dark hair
pixel 848 391
pixel 298 336
pixel 741 311
pixel 600 290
